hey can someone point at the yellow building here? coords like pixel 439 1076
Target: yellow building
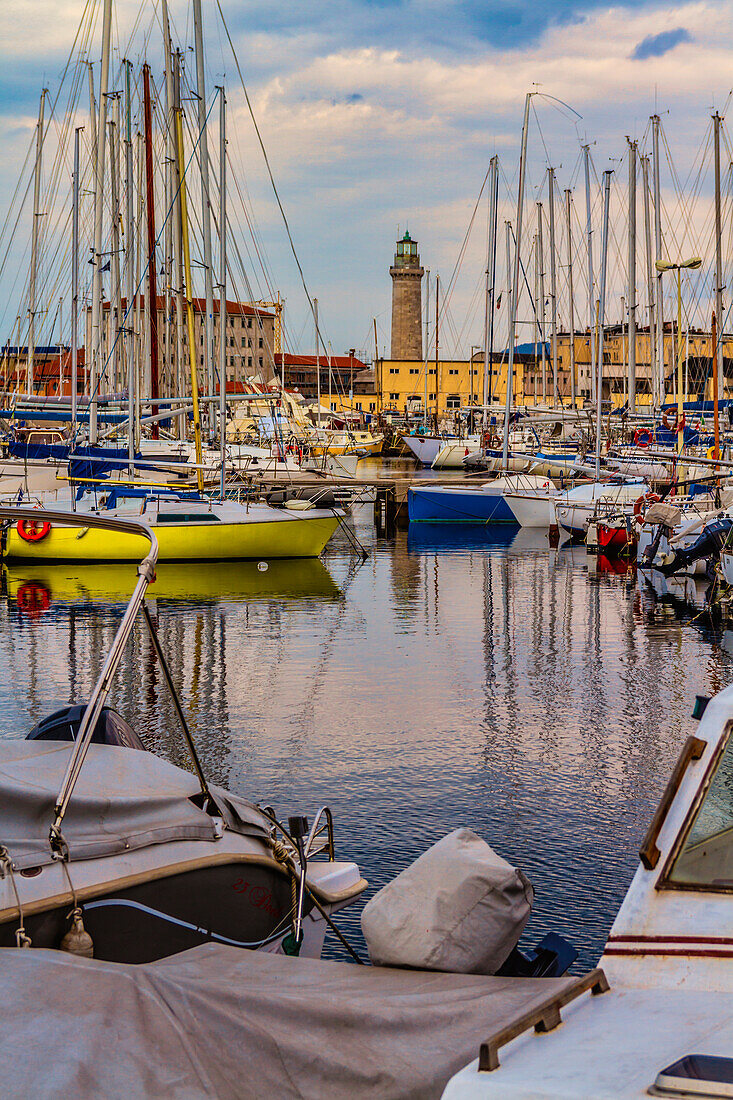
pixel 404 385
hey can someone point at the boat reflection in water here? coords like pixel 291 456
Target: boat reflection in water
pixel 35 589
pixel 438 537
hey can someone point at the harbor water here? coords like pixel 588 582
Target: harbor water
pixel 458 676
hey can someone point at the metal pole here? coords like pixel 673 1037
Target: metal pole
pixel 589 245
pixel 602 315
pixel 651 284
pixel 116 288
pixel 658 258
pixel 35 236
pixel 553 288
pixel 75 283
pixel 205 203
pixel 437 341
pixel 490 286
pixel 571 310
pixel 680 395
pixel 631 277
pixel 514 296
pixel 223 319
pixel 541 303
pixel 96 334
pixel 718 350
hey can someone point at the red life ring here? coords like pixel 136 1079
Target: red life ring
pixel 33 599
pixel 642 503
pixel 646 433
pixel 32 530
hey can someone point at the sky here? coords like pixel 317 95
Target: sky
pixel 377 116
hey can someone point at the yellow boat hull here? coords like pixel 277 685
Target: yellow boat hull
pixel 287 538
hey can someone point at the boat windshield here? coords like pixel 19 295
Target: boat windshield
pixel 705 858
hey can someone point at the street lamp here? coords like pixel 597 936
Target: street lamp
pixel 692 265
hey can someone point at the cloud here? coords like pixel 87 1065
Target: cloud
pixel 656 45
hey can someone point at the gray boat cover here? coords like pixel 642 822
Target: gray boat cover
pixel 226 1024
pixel 459 907
pixel 123 799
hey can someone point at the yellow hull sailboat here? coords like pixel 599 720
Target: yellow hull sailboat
pixel 186 529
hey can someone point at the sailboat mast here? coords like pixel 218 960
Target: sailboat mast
pixel 553 286
pixel 718 349
pixel 168 386
pixel 571 304
pixel 602 314
pixel 116 288
pixel 35 238
pixel 75 282
pixel 514 292
pixel 96 334
pixel 631 277
pixel 177 245
pixel 189 303
pixel 152 279
pixel 651 282
pixel 490 285
pixel 589 246
pixel 657 257
pixel 318 362
pixel 222 284
pixel 205 206
pixel 437 342
pixel 541 303
pixel 129 273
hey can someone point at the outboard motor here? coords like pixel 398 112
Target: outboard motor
pixel 711 540
pixel 459 908
pixel 64 724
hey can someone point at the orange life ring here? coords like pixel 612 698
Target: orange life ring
pixel 33 599
pixel 646 433
pixel 32 530
pixel 642 503
pixel 677 426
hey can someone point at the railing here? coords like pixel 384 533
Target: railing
pixel 545 1017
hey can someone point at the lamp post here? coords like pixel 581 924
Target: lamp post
pixel 663 265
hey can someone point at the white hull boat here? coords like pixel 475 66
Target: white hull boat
pixel 453 452
pixel 533 510
pixel 424 447
pixel 576 508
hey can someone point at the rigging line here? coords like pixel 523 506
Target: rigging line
pixel 266 159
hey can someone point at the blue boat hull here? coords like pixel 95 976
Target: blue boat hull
pixel 448 505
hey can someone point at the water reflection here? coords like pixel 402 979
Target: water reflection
pixel 467 676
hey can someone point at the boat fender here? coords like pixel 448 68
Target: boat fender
pixel 32 530
pixel 299 505
pixel 642 503
pixel 77 940
pixel 643 434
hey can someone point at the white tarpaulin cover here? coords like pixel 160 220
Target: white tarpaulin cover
pixel 225 1024
pixel 123 799
pixel 459 907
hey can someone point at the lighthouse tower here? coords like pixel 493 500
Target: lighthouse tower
pixel 407 276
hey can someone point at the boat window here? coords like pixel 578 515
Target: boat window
pixel 705 856
pixel 187 517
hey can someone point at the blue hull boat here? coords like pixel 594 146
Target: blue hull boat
pixel 444 504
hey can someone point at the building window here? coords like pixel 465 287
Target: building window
pixel 394 397
pixel 372 406
pixel 259 361
pixel 431 397
pixel 202 360
pixel 249 322
pixel 249 360
pixel 231 341
pixel 395 370
pixel 414 370
pixel 259 342
pixel 453 401
pixel 452 370
pixel 431 370
pixel 358 405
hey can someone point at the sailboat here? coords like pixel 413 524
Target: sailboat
pixel 110 850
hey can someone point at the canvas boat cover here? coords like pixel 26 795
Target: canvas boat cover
pixel 219 1022
pixel 124 799
pixel 459 907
